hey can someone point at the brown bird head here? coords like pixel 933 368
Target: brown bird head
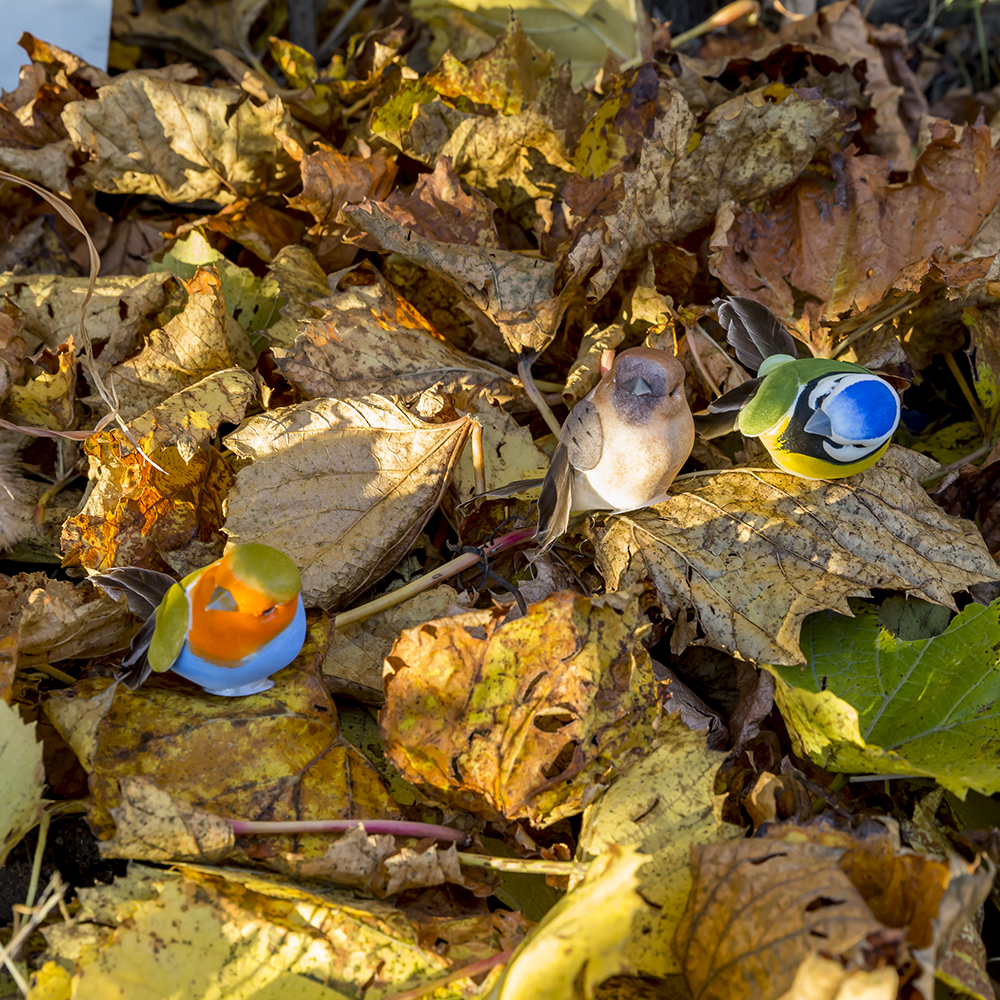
pixel 643 384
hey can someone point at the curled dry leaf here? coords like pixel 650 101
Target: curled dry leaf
pixel 62 622
pixel 841 247
pixel 343 486
pixel 135 513
pixel 528 720
pixel 664 805
pixel 332 180
pixel 377 864
pixel 754 144
pixel 153 825
pixel 152 136
pixel 746 556
pixel 198 342
pixel 516 292
pixel 371 340
pixel 439 208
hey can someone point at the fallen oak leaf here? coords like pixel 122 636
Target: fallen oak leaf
pixel 746 555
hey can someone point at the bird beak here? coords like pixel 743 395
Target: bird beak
pixel 222 600
pixel 818 423
pixel 637 386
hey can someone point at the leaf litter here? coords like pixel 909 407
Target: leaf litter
pixel 316 275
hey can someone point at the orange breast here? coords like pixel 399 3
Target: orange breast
pixel 229 637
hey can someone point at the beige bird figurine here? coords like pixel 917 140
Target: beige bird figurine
pixel 622 444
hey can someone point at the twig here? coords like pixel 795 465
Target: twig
pixel 428 580
pixel 524 372
pixel 51 899
pixel 398 828
pixel 524 866
pixel 475 969
pixel 478 460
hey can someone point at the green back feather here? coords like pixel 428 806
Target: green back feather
pixel 266 570
pixel 780 389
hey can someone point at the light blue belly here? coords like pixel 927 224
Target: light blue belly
pixel 251 676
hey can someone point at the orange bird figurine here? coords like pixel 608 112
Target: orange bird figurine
pixel 227 627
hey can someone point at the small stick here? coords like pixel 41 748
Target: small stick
pixel 478 460
pixel 396 827
pixel 475 969
pixel 524 371
pixel 428 580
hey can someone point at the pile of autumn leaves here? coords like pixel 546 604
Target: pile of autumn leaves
pixel 546 220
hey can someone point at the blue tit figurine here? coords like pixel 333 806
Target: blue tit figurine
pixel 227 627
pixel 819 419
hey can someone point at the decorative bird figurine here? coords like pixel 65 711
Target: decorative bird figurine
pixel 227 627
pixel 622 444
pixel 819 419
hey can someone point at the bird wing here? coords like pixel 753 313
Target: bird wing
pixel 583 436
pixel 135 667
pixel 724 412
pixel 556 499
pixel 143 588
pixel 754 331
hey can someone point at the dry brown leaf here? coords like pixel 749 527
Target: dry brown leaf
pixel 526 720
pixel 748 555
pixel 515 292
pixel 371 340
pixel 199 341
pixel 62 622
pixel 840 28
pixel 343 486
pixel 354 661
pixel 841 247
pixel 759 909
pixel 260 228
pixel 135 513
pixel 439 209
pixel 753 144
pixel 192 28
pixel 284 745
pixel 181 143
pixel 331 181
pixel 120 308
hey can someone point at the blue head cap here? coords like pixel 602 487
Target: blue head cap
pixel 854 409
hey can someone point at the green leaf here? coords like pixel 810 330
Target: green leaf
pixel 254 303
pixel 869 701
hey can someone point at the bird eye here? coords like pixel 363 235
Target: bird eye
pixel 268 611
